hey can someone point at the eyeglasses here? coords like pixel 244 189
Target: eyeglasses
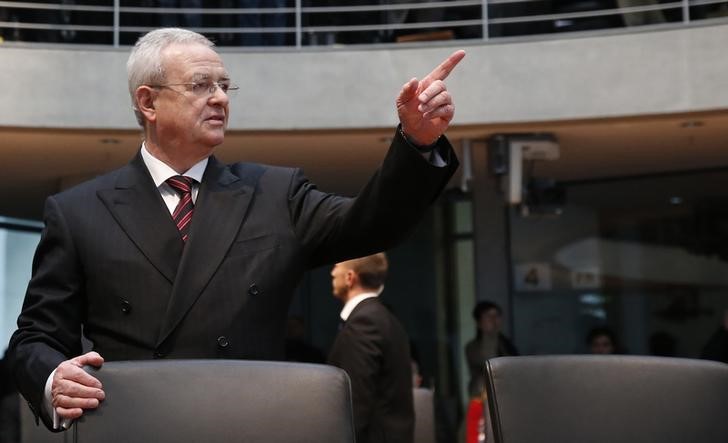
pixel 203 89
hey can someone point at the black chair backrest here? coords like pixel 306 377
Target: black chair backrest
pixel 219 401
pixel 607 399
pixel 424 415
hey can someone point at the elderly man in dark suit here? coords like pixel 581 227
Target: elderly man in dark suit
pixel 373 348
pixel 177 255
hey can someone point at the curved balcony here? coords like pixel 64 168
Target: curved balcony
pixel 332 23
pixel 671 71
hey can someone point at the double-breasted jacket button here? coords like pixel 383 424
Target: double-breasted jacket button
pixel 253 290
pixel 222 342
pixel 125 307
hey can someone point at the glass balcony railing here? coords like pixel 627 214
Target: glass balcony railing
pixel 335 23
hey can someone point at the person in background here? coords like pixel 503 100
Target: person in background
pixel 489 342
pixel 373 348
pixel 601 340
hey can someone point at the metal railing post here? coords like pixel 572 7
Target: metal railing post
pixel 686 11
pixel 117 15
pixel 299 25
pixel 484 17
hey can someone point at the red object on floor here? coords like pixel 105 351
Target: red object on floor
pixel 475 422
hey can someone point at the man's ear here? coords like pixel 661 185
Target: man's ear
pixel 144 98
pixel 350 278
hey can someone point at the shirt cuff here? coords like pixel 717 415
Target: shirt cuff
pixel 58 422
pixel 422 148
pixel 428 152
pixel 48 401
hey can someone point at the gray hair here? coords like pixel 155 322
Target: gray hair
pixel 144 66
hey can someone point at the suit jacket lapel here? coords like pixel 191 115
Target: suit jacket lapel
pixel 135 203
pixel 220 209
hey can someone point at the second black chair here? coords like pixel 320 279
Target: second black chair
pixel 607 399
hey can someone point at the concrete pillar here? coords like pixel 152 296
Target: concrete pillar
pixel 492 267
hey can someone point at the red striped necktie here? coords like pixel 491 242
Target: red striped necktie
pixel 182 214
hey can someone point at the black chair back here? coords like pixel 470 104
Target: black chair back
pixel 607 399
pixel 219 401
pixel 424 402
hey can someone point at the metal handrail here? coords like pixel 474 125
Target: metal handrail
pixel 56 6
pixel 300 12
pixel 587 14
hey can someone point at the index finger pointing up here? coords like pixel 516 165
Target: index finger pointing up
pixel 444 69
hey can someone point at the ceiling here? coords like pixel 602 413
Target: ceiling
pixel 39 162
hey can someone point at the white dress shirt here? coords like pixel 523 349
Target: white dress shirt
pixel 161 171
pixel 353 303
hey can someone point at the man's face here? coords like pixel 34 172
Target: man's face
pixel 190 122
pixel 490 322
pixel 602 344
pixel 339 280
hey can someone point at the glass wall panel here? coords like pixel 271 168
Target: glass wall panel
pixel 646 257
pixel 18 240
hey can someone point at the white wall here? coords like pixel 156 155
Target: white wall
pixel 626 74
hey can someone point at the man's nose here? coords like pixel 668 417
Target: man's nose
pixel 219 96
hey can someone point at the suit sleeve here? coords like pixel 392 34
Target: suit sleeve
pixel 358 351
pixel 49 326
pixel 332 228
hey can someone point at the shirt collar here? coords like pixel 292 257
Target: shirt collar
pixel 161 171
pixel 353 303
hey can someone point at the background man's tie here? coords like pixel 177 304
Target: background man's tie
pixel 183 212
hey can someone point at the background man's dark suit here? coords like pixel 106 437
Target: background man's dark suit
pixel 110 259
pixel 373 348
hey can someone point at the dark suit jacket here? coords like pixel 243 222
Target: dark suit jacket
pixel 110 260
pixel 373 348
pixel 476 361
